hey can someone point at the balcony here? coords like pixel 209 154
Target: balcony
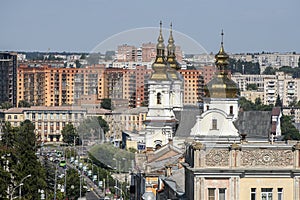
pixel 270 91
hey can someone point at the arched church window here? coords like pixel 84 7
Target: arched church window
pixel 231 110
pixel 158 98
pixel 214 124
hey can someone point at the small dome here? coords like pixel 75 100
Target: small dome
pixel 221 87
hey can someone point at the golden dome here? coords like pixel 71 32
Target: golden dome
pixel 160 64
pixel 221 86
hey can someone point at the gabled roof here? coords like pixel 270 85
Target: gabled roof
pixel 176 181
pixel 167 154
pixel 256 124
pixel 187 120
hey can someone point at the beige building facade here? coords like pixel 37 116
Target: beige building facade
pixel 242 171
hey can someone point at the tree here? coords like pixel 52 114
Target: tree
pixel 252 87
pixel 6 105
pixel 93 128
pixel 83 56
pixel 258 102
pixel 24 104
pixel 20 148
pixel 289 131
pixel 78 64
pixel 278 102
pixel 243 67
pixel 293 102
pixel 73 184
pixel 106 104
pixel 103 124
pixel 247 105
pixel 70 134
pixel 269 71
pixel 28 163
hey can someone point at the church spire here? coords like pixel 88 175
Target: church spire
pixel 159 66
pixel 160 47
pixel 171 57
pixel 222 58
pixel 221 86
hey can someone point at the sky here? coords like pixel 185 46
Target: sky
pixel 82 25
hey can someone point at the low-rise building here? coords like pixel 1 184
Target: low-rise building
pixel 49 121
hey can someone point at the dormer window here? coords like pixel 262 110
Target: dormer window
pixel 158 98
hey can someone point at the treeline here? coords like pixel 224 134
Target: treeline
pixel 295 72
pixel 19 163
pixel 243 67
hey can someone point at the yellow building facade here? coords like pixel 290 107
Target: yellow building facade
pixel 252 170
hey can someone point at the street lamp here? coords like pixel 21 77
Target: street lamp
pixel 20 185
pixel 21 182
pixel 11 195
pixel 121 192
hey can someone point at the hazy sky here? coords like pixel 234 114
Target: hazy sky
pixel 80 25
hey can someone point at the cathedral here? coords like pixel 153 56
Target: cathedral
pixel 229 153
pixel 165 95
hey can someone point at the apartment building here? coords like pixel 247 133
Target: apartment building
pixel 8 77
pixel 50 86
pixel 243 80
pixel 145 53
pixel 269 87
pixel 252 95
pixel 134 85
pixel 193 86
pixel 126 53
pixel 208 72
pixel 291 91
pixel 283 85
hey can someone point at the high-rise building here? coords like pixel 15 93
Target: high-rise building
pixel 8 77
pixel 51 86
pixel 127 53
pixel 193 86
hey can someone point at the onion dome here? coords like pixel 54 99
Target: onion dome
pixel 160 64
pixel 221 86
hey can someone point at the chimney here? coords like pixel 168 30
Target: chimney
pixel 168 171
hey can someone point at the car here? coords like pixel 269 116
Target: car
pixel 62 163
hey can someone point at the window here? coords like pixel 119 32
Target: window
pixel 222 193
pixel 158 98
pixel 9 117
pixel 253 193
pixel 266 194
pixel 207 107
pixel 15 116
pixel 231 110
pixel 280 193
pixel 211 193
pixel 214 124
